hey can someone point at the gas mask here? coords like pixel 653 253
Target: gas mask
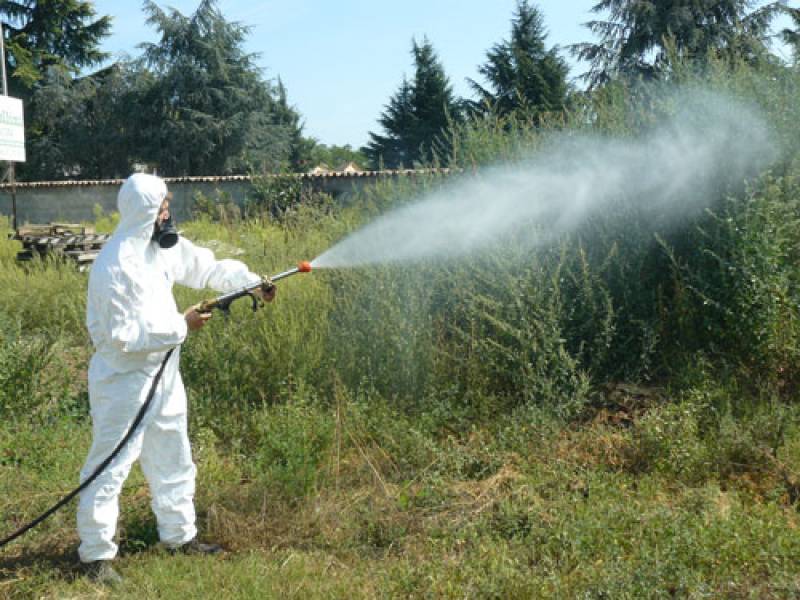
pixel 165 233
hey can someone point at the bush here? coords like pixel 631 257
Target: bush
pixel 221 208
pixel 37 375
pixel 668 441
pixel 287 444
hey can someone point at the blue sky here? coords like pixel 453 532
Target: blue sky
pixel 341 60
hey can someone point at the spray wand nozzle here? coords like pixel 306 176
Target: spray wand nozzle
pixel 224 302
pixel 302 267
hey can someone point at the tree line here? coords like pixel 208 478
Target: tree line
pixel 526 80
pixel 195 103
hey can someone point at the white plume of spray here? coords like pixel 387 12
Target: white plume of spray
pixel 669 172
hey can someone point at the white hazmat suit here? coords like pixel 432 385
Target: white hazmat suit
pixel 133 321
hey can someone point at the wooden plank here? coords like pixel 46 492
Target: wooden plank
pixel 78 243
pixel 81 256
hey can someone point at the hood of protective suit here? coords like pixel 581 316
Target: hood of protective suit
pixel 139 200
pixel 131 313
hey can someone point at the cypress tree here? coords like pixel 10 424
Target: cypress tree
pixel 637 37
pixel 45 34
pixel 417 117
pixel 792 36
pixel 47 43
pixel 211 110
pixel 522 74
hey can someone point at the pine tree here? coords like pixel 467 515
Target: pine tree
pixel 299 151
pixel 521 73
pixel 45 34
pixel 639 34
pixel 792 36
pixel 98 111
pixel 395 147
pixel 211 110
pixel 47 43
pixel 417 117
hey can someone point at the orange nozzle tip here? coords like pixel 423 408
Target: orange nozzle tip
pixel 304 266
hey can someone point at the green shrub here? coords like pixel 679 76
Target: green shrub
pixel 287 444
pixel 220 208
pixel 668 441
pixel 37 375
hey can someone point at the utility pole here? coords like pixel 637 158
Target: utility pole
pixel 11 174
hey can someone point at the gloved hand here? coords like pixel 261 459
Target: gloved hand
pixel 266 293
pixel 194 319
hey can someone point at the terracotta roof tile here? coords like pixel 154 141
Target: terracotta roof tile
pixel 232 178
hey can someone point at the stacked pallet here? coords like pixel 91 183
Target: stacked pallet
pixel 78 243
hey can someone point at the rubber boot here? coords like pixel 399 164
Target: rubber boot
pixel 193 547
pixel 101 571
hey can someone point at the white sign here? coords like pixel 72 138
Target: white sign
pixel 12 130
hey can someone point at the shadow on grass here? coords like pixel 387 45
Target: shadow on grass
pixel 61 563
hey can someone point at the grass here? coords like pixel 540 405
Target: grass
pixel 529 509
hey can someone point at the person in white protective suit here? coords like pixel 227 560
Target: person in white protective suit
pixel 133 321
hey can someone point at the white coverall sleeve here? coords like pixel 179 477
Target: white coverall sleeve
pixel 199 269
pixel 132 330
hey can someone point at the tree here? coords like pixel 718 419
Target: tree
pixel 418 115
pixel 394 148
pixel 286 117
pixel 112 100
pixel 83 126
pixel 211 110
pixel 521 73
pixel 45 34
pixel 47 42
pixel 57 108
pixel 638 35
pixel 792 36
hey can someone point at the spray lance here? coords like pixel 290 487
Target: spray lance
pixel 222 303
